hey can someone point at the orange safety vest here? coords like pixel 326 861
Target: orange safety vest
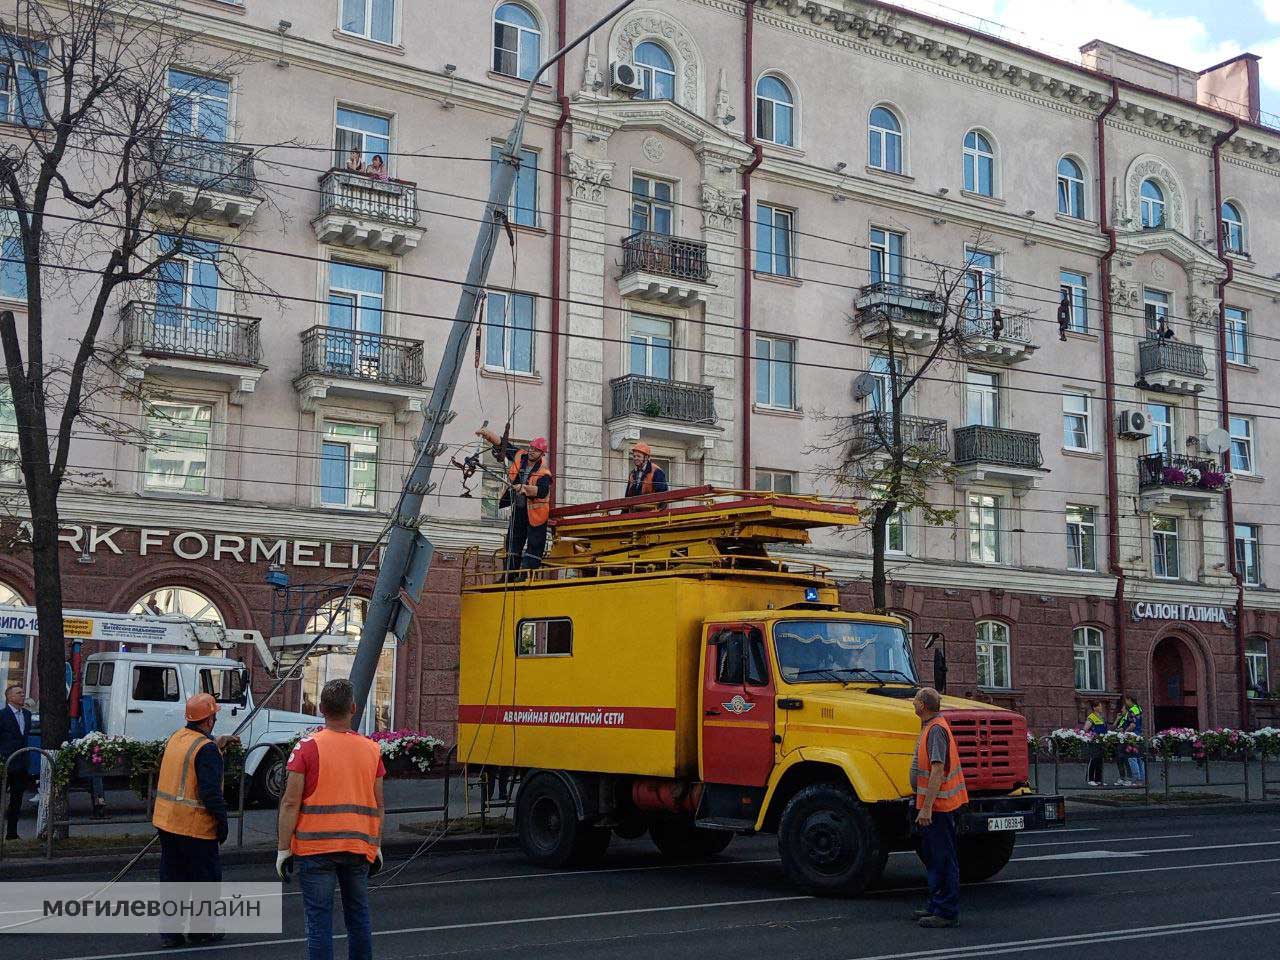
pixel 178 808
pixel 646 482
pixel 952 793
pixel 341 814
pixel 539 508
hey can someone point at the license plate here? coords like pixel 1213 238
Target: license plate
pixel 1006 823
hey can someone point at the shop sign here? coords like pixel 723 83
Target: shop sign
pixel 1182 612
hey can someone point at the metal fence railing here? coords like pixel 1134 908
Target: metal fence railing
pixel 1011 448
pixel 893 301
pixel 356 355
pixel 666 399
pixel 665 255
pixel 360 195
pixel 1171 356
pixel 873 430
pixel 205 164
pixel 175 330
pixel 1175 470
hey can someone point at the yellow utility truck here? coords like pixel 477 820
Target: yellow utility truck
pixel 663 673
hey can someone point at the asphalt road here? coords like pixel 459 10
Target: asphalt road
pixel 1162 888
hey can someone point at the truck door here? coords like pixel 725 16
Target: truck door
pixel 737 706
pixel 225 685
pixel 155 706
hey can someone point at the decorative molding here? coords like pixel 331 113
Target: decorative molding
pixel 721 208
pixel 590 178
pixel 654 149
pixel 1148 167
pixel 637 26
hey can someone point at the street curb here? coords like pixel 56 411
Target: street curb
pixel 1096 813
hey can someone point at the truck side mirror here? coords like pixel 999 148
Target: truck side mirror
pixel 939 670
pixel 244 686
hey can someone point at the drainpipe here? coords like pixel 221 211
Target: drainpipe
pixel 1109 370
pixel 1224 395
pixel 557 201
pixel 749 116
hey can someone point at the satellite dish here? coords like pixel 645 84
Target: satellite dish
pixel 863 386
pixel 1217 440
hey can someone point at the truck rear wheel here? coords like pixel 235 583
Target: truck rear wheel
pixel 682 840
pixel 269 779
pixel 551 835
pixel 982 856
pixel 829 843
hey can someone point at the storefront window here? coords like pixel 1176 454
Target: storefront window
pixel 319 670
pixel 15 650
pixel 180 602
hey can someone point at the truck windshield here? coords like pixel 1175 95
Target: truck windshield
pixel 843 650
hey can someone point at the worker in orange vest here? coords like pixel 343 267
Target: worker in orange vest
pixel 190 810
pixel 646 476
pixel 331 822
pixel 938 781
pixel 528 496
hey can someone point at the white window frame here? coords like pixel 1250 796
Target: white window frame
pixel 897 522
pixel 648 74
pixel 522 32
pixel 10 455
pixel 768 480
pixel 1257 664
pixel 1149 207
pixel 1233 239
pixel 885 134
pixel 992 642
pixel 977 155
pixel 1084 520
pixel 882 397
pixel 340 153
pixel 1088 649
pixel 983 517
pixel 508 329
pixel 650 205
pixel 1250 542
pixel 1237 335
pixel 880 251
pixel 982 286
pixel 778 265
pixel 1084 416
pixel 1244 431
pixel 212 484
pixel 1076 286
pixel 200 98
pixel 1161 540
pixel 984 387
pixel 766 365
pixel 354 444
pixel 1162 302
pixel 648 340
pixel 1166 428
pixel 368 22
pixel 1072 189
pixel 774 105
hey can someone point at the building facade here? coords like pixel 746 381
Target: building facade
pixel 719 205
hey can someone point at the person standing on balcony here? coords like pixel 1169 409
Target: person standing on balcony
pixel 378 169
pixel 646 476
pixel 355 162
pixel 529 497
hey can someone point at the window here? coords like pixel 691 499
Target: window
pixel 226 685
pixel 651 339
pixel 1070 188
pixel 882 393
pixel 91 674
pixel 776 481
pixel 356 298
pixel 1232 228
pixel 371 19
pixel 1242 459
pixel 775 112
pixel 508 343
pixel 895 533
pixel 1248 554
pixel 349 465
pixel 10 458
pixel 178 602
pixel 155 684
pixel 652 208
pixel 1081 530
pixel 1257 665
pixel 517 42
pixel 187 287
pixel 366 133
pixel 13 274
pixel 1165 563
pixel 523 208
pixel 1237 335
pixel 1152 205
pixel 1074 289
pixel 981 398
pixel 552 637
pixel 1155 312
pixel 657 72
pixel 773 240
pixel 741 659
pixel 1077 432
pixel 993 655
pixel 885 141
pixel 981 281
pixel 775 372
pixel 1086 643
pixel 1160 419
pixel 886 256
pixel 979 165
pixel 178 442
pixel 984 529
pixel 22 81
pixel 198 106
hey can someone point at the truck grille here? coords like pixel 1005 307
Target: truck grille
pixel 993 748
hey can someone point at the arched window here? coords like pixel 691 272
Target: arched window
pixel 179 602
pixel 517 42
pixel 885 139
pixel 1086 643
pixel 1257 663
pixel 775 112
pixel 14 655
pixel 1070 188
pixel 379 711
pixel 657 71
pixel 1152 205
pixel 1232 228
pixel 994 666
pixel 979 164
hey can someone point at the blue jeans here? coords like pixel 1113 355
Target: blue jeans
pixel 941 861
pixel 1138 769
pixel 318 876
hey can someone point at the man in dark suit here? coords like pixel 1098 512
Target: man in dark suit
pixel 15 724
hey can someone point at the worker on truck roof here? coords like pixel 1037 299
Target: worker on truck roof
pixel 528 495
pixel 646 476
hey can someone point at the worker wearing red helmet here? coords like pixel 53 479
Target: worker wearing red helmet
pixel 529 497
pixel 646 476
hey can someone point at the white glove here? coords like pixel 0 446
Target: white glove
pixel 284 865
pixel 376 867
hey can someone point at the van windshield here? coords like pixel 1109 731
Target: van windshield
pixel 842 650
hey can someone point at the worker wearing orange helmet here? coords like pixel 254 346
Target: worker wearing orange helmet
pixel 529 497
pixel 646 476
pixel 191 812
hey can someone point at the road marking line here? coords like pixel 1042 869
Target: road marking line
pixel 1070 830
pixel 1081 855
pixel 1211 846
pixel 1070 843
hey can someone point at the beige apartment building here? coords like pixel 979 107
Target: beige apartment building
pixel 1112 436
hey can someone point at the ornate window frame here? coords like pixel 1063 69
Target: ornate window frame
pixel 638 26
pixel 1150 167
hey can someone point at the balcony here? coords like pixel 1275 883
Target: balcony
pixel 664 410
pixel 1011 344
pixel 1172 366
pixel 185 340
pixel 911 314
pixel 359 211
pixel 1000 455
pixel 370 366
pixel 1195 482
pixel 871 434
pixel 665 269
pixel 205 179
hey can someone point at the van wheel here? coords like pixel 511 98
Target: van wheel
pixel 269 779
pixel 550 833
pixel 829 844
pixel 983 856
pixel 681 840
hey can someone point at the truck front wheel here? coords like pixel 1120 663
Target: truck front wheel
pixel 551 835
pixel 982 856
pixel 829 843
pixel 269 778
pixel 681 840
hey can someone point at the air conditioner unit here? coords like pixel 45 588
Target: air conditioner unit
pixel 624 76
pixel 1133 424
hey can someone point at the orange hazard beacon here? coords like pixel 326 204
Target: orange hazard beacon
pixel 664 673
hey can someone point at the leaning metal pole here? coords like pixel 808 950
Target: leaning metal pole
pixel 403 542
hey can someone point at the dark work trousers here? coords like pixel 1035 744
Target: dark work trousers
pixel 1095 763
pixel 19 783
pixel 526 544
pixel 189 859
pixel 942 863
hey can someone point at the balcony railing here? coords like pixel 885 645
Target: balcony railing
pixel 205 164
pixel 663 399
pixel 897 301
pixel 982 327
pixel 359 195
pixel 994 445
pixel 873 430
pixel 1178 470
pixel 665 255
pixel 177 331
pixel 1171 356
pixel 356 355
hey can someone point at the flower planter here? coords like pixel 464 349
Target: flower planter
pixel 87 768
